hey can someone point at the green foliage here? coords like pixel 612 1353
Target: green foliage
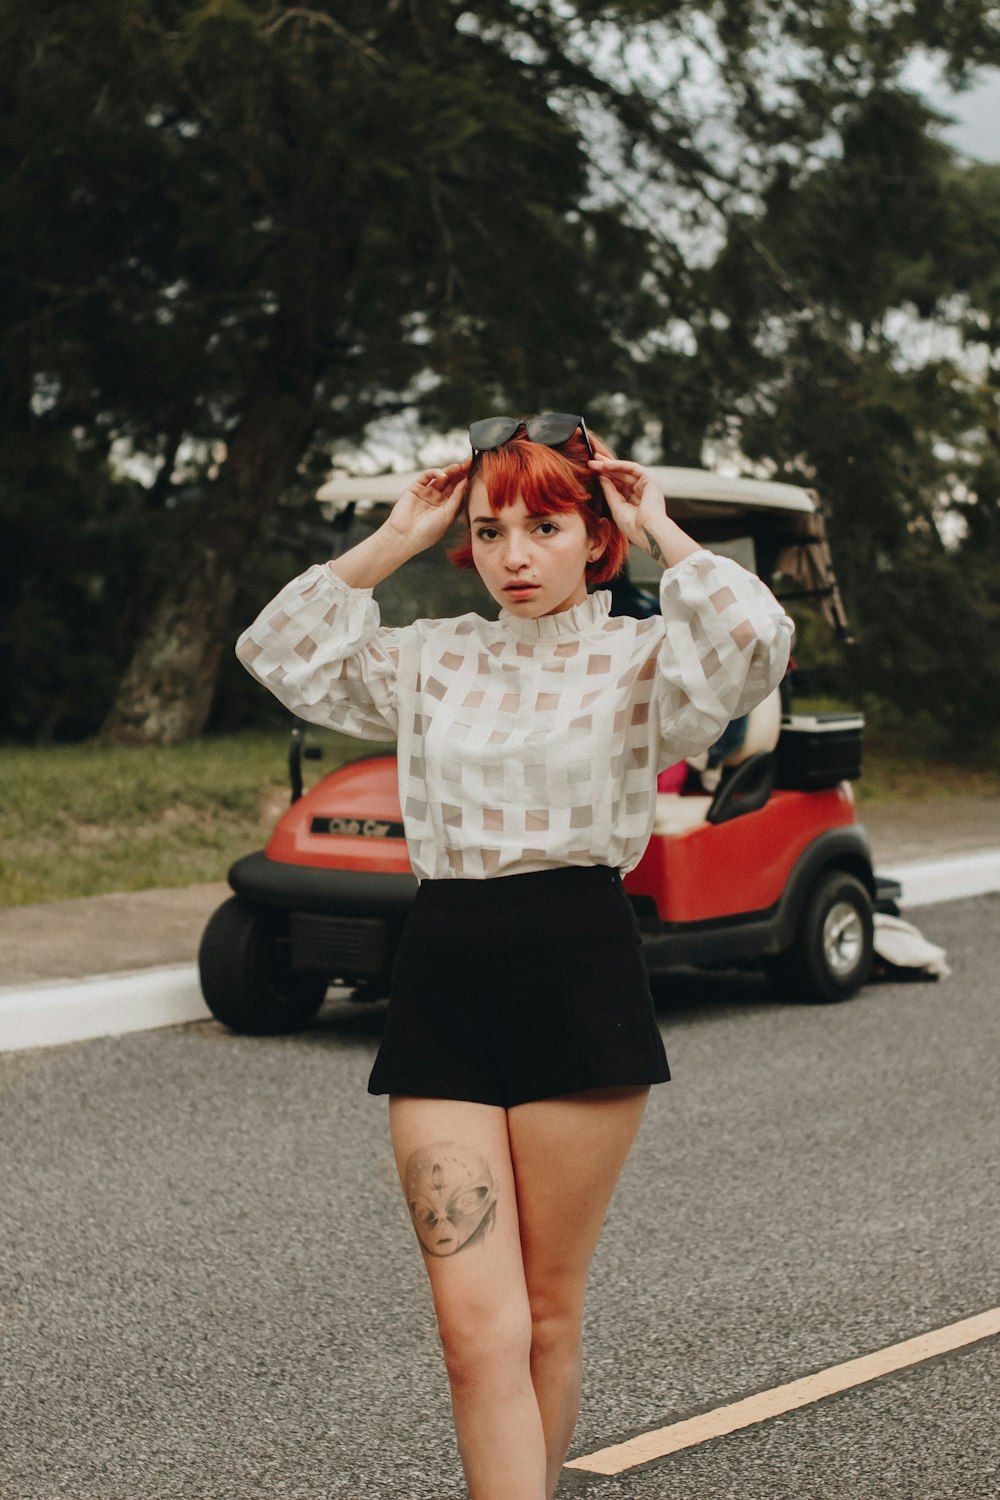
pixel 900 448
pixel 702 225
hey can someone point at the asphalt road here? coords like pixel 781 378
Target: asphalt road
pixel 209 1288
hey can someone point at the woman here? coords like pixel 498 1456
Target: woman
pixel 521 1041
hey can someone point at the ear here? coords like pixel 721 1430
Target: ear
pixel 599 540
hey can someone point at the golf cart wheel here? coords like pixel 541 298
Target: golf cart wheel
pixel 831 956
pixel 246 974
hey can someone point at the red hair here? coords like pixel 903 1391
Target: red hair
pixel 548 480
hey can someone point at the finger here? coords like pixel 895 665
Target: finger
pixel 445 495
pixel 614 492
pixel 629 484
pixel 610 490
pixel 621 509
pixel 453 482
pixel 620 472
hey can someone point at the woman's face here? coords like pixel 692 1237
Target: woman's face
pixel 533 565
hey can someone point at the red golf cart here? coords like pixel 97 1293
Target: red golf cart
pixel 771 866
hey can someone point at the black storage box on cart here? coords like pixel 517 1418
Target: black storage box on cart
pixel 816 751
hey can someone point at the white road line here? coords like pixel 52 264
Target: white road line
pixel 724 1419
pixel 926 881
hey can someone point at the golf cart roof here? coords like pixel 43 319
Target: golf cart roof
pixel 689 492
pixel 784 519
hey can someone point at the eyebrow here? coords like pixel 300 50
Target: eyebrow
pixel 543 515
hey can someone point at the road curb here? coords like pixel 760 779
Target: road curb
pixel 75 1010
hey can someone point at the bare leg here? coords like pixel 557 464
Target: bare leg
pixel 454 1163
pixel 567 1155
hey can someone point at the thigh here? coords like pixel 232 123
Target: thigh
pixel 567 1155
pixel 454 1165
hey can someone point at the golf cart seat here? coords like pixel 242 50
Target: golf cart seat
pixel 677 814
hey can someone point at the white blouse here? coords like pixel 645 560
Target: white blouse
pixel 527 744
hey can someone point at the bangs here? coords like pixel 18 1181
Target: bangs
pixel 544 479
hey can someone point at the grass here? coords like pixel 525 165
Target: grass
pixel 81 820
pixel 893 771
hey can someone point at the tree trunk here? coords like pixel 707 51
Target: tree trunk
pixel 166 693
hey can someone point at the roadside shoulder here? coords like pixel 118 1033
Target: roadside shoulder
pixel 112 934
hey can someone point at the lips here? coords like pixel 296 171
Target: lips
pixel 517 589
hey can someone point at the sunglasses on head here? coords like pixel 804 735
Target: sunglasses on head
pixel 552 428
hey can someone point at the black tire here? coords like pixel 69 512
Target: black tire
pixel 831 956
pixel 246 974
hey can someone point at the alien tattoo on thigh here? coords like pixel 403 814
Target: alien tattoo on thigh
pixel 450 1194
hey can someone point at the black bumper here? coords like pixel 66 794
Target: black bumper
pixel 366 893
pixel 341 923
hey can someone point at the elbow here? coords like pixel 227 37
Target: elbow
pixel 781 648
pixel 776 658
pixel 247 651
pixel 769 644
pixel 690 733
pixel 765 670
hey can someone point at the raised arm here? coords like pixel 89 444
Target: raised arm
pixel 420 517
pixel 727 638
pixel 639 510
pixel 318 645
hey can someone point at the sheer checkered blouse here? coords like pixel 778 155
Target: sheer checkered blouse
pixel 527 744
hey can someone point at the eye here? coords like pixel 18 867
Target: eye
pixel 547 528
pixel 486 533
pixel 466 1202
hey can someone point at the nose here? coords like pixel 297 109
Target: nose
pixel 517 553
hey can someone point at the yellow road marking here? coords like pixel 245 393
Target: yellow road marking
pixel 713 1424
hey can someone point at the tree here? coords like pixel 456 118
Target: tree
pixel 247 229
pixel 889 244
pixel 240 232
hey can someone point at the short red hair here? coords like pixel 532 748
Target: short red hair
pixel 547 480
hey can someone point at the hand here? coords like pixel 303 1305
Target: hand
pixel 423 513
pixel 634 498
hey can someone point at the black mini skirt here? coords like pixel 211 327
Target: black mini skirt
pixel 518 988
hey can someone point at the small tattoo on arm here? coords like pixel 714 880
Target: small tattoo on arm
pixel 653 546
pixel 450 1194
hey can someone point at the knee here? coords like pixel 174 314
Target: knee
pixel 556 1320
pixel 479 1342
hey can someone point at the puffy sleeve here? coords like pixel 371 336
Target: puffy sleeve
pixel 725 648
pixel 319 648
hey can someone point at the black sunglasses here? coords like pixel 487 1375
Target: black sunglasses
pixel 552 428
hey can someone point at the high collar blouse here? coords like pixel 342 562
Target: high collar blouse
pixel 527 744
